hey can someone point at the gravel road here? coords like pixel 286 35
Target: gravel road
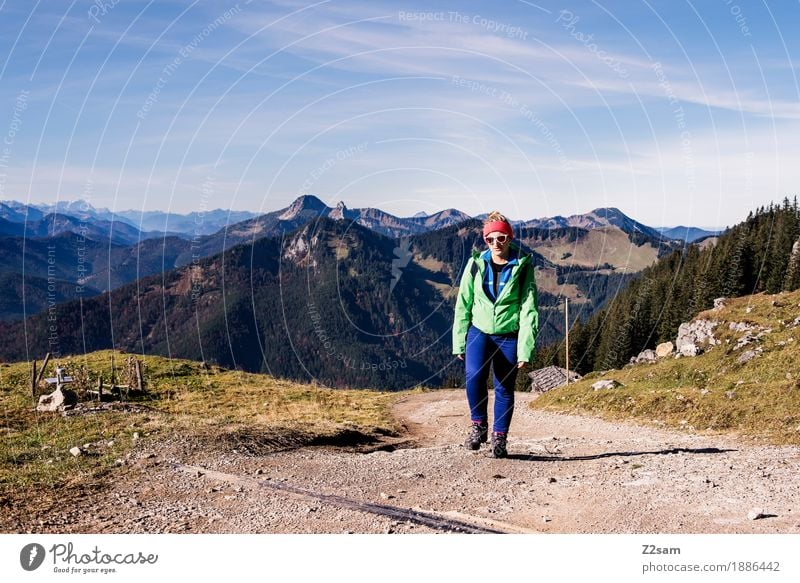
pixel 565 474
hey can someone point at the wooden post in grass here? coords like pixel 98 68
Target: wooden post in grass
pixel 100 388
pixel 44 367
pixel 33 379
pixel 113 377
pixel 139 380
pixel 566 328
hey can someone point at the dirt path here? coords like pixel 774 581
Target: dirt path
pixel 565 474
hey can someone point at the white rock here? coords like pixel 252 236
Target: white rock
pixel 664 349
pixel 58 400
pixel 606 384
pixel 644 356
pixel 747 356
pixel 698 333
pixel 76 451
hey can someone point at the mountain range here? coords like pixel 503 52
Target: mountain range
pixel 87 252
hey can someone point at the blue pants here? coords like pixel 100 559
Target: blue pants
pixel 501 352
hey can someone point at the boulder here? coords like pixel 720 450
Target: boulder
pixel 719 303
pixel 664 349
pixel 694 336
pixel 644 356
pixel 58 400
pixel 606 384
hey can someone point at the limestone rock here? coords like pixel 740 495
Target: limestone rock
pixel 694 336
pixel 58 400
pixel 644 356
pixel 606 384
pixel 749 355
pixel 664 349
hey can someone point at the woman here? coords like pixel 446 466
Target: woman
pixel 496 323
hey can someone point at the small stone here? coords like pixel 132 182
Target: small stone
pixel 75 451
pixel 546 519
pixel 135 436
pixel 756 513
pixel 730 394
pixel 110 443
pixel 606 384
pixel 499 477
pixel 552 480
pixel 401 491
pixel 747 356
pixel 259 472
pixel 386 496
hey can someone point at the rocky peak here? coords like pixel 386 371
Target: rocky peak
pixel 339 212
pixel 305 203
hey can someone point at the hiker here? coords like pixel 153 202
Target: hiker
pixel 496 323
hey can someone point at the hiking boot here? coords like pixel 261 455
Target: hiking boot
pixel 498 446
pixel 478 434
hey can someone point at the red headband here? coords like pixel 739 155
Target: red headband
pixel 499 226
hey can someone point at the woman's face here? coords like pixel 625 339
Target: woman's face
pixel 497 242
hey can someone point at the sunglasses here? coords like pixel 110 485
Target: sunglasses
pixel 501 239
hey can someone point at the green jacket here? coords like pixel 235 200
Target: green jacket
pixel 516 308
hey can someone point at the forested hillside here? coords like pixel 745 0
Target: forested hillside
pixel 757 255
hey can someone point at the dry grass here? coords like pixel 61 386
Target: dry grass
pixel 603 245
pixel 182 397
pixel 710 392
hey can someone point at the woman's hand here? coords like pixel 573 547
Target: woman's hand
pixel 460 356
pixel 521 363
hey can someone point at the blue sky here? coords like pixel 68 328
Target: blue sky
pixel 675 112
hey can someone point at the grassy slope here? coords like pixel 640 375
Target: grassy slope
pixel 711 391
pixel 34 447
pixel 599 246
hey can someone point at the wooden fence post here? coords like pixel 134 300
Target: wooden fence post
pixel 139 380
pixel 43 369
pixel 33 380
